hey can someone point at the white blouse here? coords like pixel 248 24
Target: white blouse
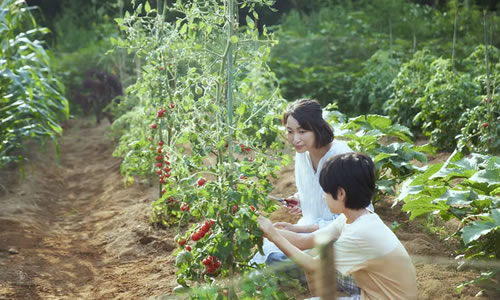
pixel 314 207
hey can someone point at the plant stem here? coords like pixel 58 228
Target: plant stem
pixel 488 91
pixel 390 36
pixel 454 39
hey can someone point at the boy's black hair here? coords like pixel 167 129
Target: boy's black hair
pixel 355 173
pixel 310 117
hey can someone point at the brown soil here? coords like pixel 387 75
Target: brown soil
pixel 73 231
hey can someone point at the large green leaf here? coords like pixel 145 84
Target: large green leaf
pixel 480 228
pixel 456 197
pixel 424 205
pixel 490 177
pixel 379 122
pixel 426 176
pixel 382 156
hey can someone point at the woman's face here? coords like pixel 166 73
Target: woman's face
pixel 303 140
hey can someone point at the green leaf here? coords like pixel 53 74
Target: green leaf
pixel 491 177
pixel 234 39
pixel 477 229
pixel 407 189
pixel 455 197
pixel 495 192
pixel 386 186
pixel 286 160
pixel 495 214
pixel 382 156
pixel 138 10
pixel 426 176
pixel 250 23
pixel 147 7
pixel 424 205
pixel 426 148
pixel 379 122
pixel 241 109
pixel 183 29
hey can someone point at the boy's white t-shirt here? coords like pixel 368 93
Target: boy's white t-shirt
pixel 372 253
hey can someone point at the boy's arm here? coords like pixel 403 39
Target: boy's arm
pixel 302 241
pixel 296 228
pixel 281 239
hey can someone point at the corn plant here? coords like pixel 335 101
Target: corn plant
pixel 31 95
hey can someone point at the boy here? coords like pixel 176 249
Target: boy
pixel 364 246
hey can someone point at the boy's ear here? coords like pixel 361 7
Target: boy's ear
pixel 341 195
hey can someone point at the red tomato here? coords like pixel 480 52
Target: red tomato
pixel 195 236
pixel 201 181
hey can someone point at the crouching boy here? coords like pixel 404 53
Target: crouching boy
pixel 364 246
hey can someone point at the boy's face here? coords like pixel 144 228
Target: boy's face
pixel 303 140
pixel 335 206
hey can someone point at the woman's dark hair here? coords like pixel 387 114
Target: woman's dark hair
pixel 355 173
pixel 310 117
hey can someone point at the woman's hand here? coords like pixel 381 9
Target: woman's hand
pixel 284 226
pixel 293 205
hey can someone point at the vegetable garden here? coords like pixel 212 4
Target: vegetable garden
pixel 200 120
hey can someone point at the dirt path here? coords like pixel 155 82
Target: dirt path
pixel 72 231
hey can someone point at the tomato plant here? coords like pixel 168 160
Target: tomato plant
pixel 210 104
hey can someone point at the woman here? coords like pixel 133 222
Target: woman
pixel 314 143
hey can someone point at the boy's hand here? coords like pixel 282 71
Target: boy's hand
pixel 265 225
pixel 284 226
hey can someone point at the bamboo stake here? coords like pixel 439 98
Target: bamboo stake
pixel 327 274
pixel 229 89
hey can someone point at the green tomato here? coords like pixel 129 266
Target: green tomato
pixel 198 90
pixel 183 257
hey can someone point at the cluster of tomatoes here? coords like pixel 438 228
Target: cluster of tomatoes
pixel 161 112
pixel 211 263
pixel 200 233
pixel 243 148
pixel 163 164
pixel 162 161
